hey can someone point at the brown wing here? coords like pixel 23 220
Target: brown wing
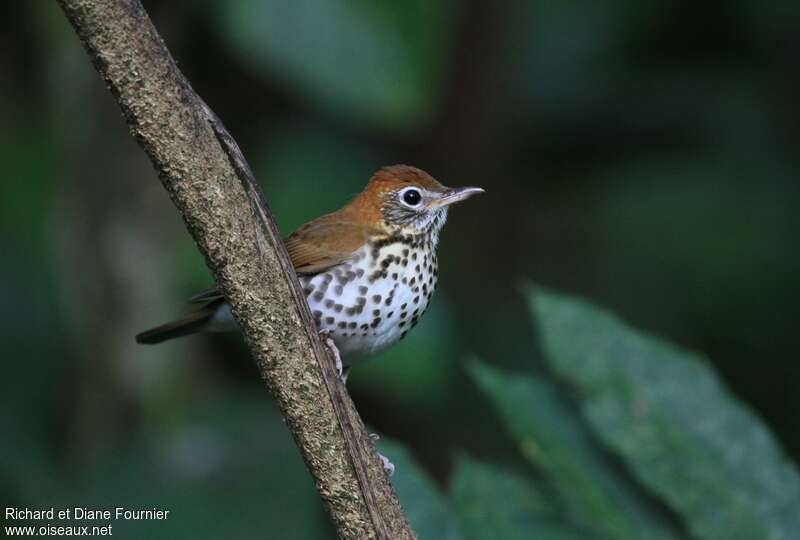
pixel 206 295
pixel 324 243
pixel 313 248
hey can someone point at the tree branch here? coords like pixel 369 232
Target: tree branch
pixel 211 184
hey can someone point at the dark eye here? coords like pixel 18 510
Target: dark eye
pixel 412 197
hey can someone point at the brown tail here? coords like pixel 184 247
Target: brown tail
pixel 190 324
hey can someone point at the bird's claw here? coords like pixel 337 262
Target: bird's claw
pixel 388 466
pixel 337 358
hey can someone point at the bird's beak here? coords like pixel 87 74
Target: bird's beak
pixel 455 195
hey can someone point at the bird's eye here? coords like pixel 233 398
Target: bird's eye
pixel 412 197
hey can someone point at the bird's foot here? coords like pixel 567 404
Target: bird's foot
pixel 388 466
pixel 337 358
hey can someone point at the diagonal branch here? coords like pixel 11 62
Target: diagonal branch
pixel 213 187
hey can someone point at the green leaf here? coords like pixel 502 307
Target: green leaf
pixel 678 429
pixel 552 437
pixel 494 503
pixel 428 510
pixel 376 61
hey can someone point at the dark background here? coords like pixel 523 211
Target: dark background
pixel 639 154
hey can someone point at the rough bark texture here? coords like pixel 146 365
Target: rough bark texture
pixel 210 183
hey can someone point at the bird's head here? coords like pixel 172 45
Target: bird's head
pixel 408 200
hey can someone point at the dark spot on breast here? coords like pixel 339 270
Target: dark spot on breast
pixel 350 311
pixel 327 278
pixel 403 315
pixel 376 298
pixel 342 279
pixel 329 320
pixel 338 308
pixel 394 276
pixel 308 290
pixel 360 272
pixel 414 256
pixel 403 334
pixel 375 322
pixel 418 269
pixel 319 295
pixel 405 253
pixel 416 299
pixel 404 263
pixel 364 326
pixel 342 324
pixel 389 315
pixel 352 325
pixel 361 301
pixel 328 303
pixel 402 324
pixel 338 290
pixel 376 312
pixel 403 306
pixel 405 281
pixel 362 290
pixel 413 280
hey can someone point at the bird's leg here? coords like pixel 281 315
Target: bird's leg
pixel 388 466
pixel 343 372
pixel 337 358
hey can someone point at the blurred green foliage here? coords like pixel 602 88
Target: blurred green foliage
pixel 666 415
pixel 395 53
pixel 641 154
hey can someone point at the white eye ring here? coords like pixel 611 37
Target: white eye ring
pixel 410 197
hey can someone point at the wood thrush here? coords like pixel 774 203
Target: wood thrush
pixel 368 270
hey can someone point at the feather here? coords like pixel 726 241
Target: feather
pixel 190 324
pixel 324 243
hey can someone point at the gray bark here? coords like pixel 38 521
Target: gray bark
pixel 210 183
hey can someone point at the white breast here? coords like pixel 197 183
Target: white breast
pixel 371 302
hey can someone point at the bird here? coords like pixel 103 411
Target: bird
pixel 368 270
